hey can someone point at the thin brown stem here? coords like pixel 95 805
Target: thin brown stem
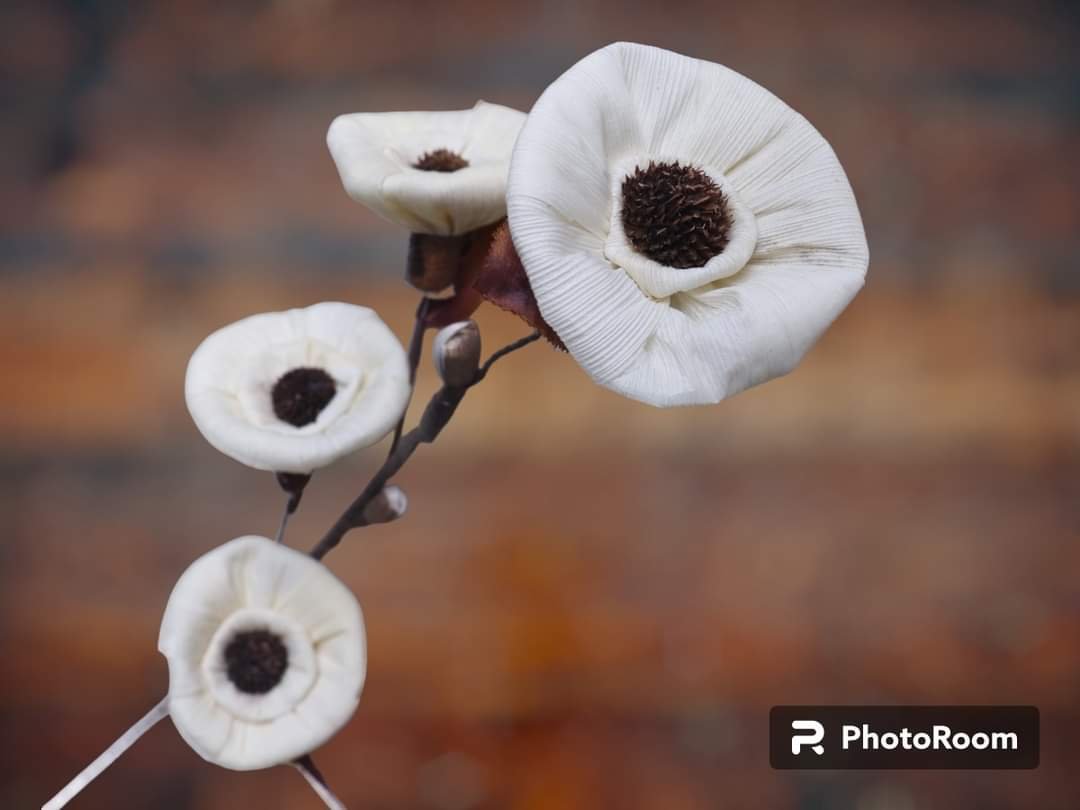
pixel 285 514
pixel 416 348
pixel 293 484
pixel 436 415
pixel 520 343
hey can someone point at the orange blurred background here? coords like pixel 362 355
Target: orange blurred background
pixel 591 604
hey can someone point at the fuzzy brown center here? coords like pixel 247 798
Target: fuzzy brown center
pixel 255 661
pixel 300 395
pixel 674 214
pixel 440 160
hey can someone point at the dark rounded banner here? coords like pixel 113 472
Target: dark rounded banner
pixel 911 737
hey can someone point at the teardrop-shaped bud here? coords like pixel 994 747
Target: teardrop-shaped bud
pixel 457 353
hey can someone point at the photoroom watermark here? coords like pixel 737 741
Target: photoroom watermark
pixel 851 737
pixel 941 738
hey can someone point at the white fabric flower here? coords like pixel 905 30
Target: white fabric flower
pixel 685 232
pixel 266 654
pixel 293 391
pixel 433 172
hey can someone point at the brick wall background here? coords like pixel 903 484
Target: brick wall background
pixel 591 604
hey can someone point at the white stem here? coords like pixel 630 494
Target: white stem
pixel 108 756
pixel 321 790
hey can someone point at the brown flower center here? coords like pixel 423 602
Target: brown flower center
pixel 301 394
pixel 440 160
pixel 674 214
pixel 255 661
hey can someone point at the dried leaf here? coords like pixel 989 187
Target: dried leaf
pixel 501 279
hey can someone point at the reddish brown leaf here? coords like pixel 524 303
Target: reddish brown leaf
pixel 501 279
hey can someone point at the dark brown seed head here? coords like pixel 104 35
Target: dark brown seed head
pixel 674 214
pixel 255 661
pixel 301 394
pixel 440 160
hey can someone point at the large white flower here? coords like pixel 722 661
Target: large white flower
pixel 293 391
pixel 433 172
pixel 266 654
pixel 686 233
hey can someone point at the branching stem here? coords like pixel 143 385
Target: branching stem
pixel 436 415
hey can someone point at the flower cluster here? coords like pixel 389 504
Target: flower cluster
pixel 677 229
pixel 680 230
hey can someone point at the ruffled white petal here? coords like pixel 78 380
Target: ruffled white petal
pixel 712 344
pixel 262 585
pixel 231 374
pixel 375 153
pixel 597 310
pixel 638 327
pixel 202 723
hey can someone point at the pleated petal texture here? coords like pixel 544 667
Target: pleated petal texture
pixel 252 584
pixel 669 335
pixel 231 380
pixel 376 155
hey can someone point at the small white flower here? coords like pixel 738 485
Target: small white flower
pixel 685 232
pixel 266 654
pixel 293 391
pixel 433 172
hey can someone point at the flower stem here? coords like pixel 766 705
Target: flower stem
pixel 416 348
pixel 520 343
pixel 285 514
pixel 314 777
pixel 436 415
pixel 293 484
pixel 108 756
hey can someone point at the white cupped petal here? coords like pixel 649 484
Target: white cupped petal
pixel 711 344
pixel 600 314
pixel 254 584
pixel 375 155
pixel 679 336
pixel 232 373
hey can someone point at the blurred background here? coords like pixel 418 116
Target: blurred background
pixel 591 604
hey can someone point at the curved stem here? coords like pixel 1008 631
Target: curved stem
pixel 416 348
pixel 436 415
pixel 520 343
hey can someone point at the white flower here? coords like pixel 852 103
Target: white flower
pixel 433 172
pixel 686 233
pixel 293 391
pixel 266 654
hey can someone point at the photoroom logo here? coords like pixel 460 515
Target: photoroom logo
pixel 1003 737
pixel 811 734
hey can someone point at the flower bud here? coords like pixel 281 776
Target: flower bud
pixel 434 262
pixel 387 506
pixel 457 353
